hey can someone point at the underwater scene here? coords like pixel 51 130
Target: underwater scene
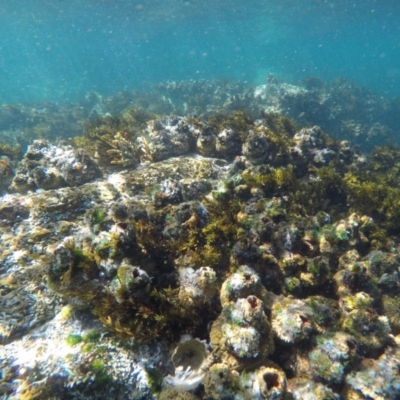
pixel 200 200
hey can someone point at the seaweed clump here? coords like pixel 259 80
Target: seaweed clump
pixel 112 139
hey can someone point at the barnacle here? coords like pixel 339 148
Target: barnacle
pixel 130 282
pixel 292 320
pixel 241 335
pixel 269 383
pixel 220 381
pixel 325 311
pixel 332 356
pixel 379 378
pixel 303 389
pixel 191 360
pixel 370 330
pixel 244 282
pixel 197 287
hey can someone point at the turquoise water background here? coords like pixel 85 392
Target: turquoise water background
pixel 60 50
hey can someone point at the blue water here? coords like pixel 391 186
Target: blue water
pixel 59 50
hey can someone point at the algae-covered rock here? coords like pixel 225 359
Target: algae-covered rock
pixel 45 166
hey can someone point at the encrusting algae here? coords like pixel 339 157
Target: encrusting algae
pixel 264 254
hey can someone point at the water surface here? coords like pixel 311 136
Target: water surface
pixel 60 50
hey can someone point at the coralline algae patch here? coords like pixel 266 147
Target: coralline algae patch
pixel 215 257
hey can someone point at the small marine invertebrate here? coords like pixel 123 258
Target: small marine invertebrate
pixel 256 147
pixel 391 307
pixel 271 383
pixel 191 360
pixel 308 138
pixel 275 209
pixel 241 335
pixel 358 301
pixel 317 271
pixel 344 231
pixel 255 221
pixel 206 141
pixel 266 383
pixel 370 330
pixel 292 319
pixel 130 281
pixel 197 287
pixel 309 272
pixel 290 263
pixel 383 269
pixel 354 277
pixel 305 389
pixel 326 312
pixel 241 284
pixel 221 382
pixel 228 144
pixel 244 251
pixel 168 192
pixel 293 285
pixel 333 354
pixel 313 229
pixel 185 217
pixel 169 136
pixel 310 148
pixel 378 379
pixel 287 237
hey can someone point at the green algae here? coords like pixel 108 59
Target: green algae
pixel 73 339
pixel 111 140
pixel 92 336
pixel 154 379
pixel 273 180
pixel 102 377
pixel 239 121
pixel 13 152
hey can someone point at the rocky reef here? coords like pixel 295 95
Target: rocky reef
pixel 340 107
pixel 209 256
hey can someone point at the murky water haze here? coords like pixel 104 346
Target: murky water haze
pixel 60 50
